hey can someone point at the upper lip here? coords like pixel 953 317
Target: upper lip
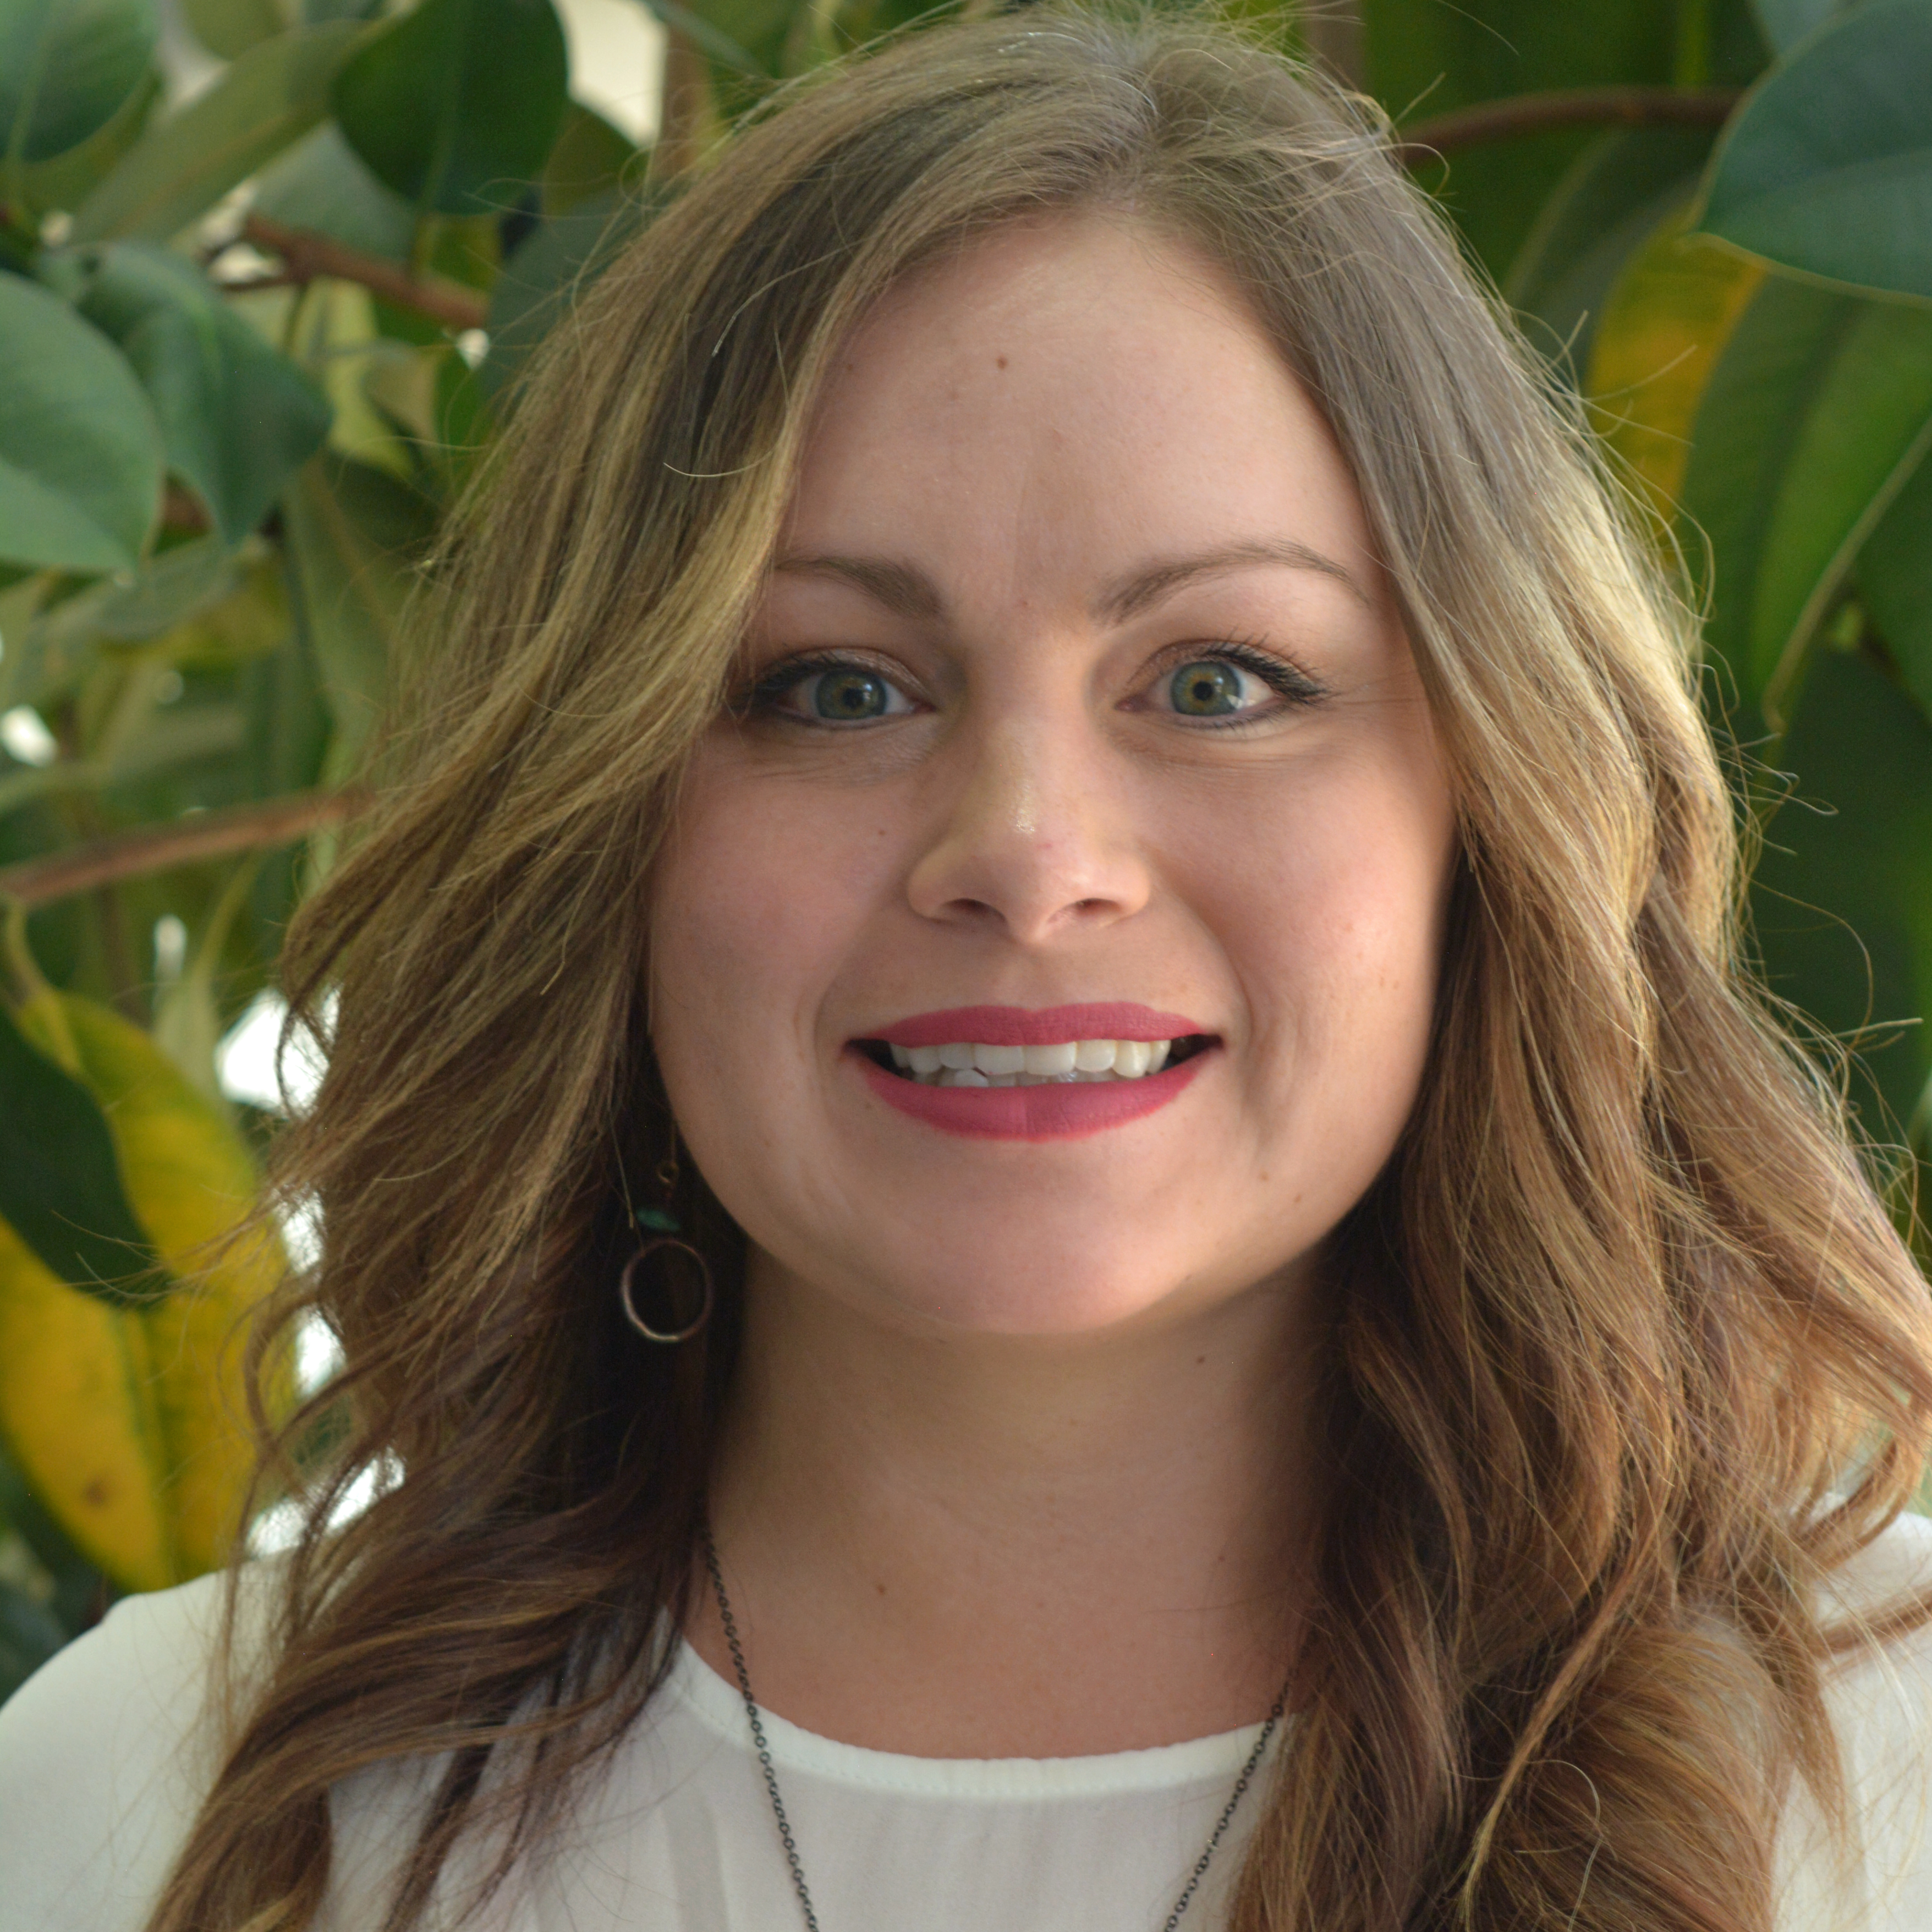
pixel 1036 1026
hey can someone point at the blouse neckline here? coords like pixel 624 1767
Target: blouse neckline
pixel 718 1706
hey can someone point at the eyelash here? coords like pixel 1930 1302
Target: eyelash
pixel 1285 680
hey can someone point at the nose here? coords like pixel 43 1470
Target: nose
pixel 1034 837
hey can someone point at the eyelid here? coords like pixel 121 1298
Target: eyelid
pixel 762 691
pixel 1283 676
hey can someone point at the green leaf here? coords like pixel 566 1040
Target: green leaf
pixel 1841 900
pixel 1427 57
pixel 238 418
pixel 1894 573
pixel 80 453
pixel 560 257
pixel 1606 206
pixel 354 535
pixel 45 657
pixel 60 1180
pixel 1827 168
pixel 1786 23
pixel 269 98
pixel 230 28
pixel 66 66
pixel 591 157
pixel 321 183
pixel 68 179
pixel 456 105
pixel 1814 418
pixel 288 721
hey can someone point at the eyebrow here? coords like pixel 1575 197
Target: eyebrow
pixel 908 592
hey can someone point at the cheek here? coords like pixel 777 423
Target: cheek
pixel 1335 929
pixel 756 901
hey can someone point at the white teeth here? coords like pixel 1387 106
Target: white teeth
pixel 975 1063
pixel 1051 1059
pixel 1000 1059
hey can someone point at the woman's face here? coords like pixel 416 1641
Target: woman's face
pixel 1076 713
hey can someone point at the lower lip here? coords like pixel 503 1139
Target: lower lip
pixel 1063 1110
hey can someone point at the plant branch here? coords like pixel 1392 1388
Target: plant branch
pixel 183 841
pixel 305 255
pixel 1565 107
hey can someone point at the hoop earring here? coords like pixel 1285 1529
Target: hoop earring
pixel 663 1225
pixel 672 1337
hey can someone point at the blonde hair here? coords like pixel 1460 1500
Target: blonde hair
pixel 1626 1354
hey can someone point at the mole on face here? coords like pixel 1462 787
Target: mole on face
pixel 1002 361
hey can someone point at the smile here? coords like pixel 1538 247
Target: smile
pixel 976 1063
pixel 1010 1073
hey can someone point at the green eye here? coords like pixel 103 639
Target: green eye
pixel 849 695
pixel 1205 690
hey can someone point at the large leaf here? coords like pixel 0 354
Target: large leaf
pixel 128 1423
pixel 230 28
pixel 354 537
pixel 1813 420
pixel 456 105
pixel 1828 167
pixel 1665 324
pixel 67 180
pixel 45 657
pixel 591 157
pixel 60 1180
pixel 1425 58
pixel 1894 572
pixel 238 418
pixel 1786 23
pixel 321 183
pixel 80 453
pixel 1842 897
pixel 65 67
pixel 269 98
pixel 560 257
pixel 1611 201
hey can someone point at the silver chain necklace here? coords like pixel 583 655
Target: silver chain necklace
pixel 790 1844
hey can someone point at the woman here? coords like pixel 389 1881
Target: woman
pixel 1044 1158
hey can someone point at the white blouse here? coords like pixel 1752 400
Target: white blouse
pixel 103 1764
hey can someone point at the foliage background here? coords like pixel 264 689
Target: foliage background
pixel 253 336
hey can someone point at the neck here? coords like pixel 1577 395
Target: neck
pixel 974 1545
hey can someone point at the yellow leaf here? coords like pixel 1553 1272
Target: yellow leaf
pixel 132 1423
pixel 1665 323
pixel 78 1409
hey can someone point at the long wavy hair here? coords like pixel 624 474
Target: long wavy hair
pixel 1626 1357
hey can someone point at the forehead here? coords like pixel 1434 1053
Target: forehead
pixel 1063 391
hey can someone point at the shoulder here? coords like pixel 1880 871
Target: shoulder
pixel 1878 1691
pixel 105 1755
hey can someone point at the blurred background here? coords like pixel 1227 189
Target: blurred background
pixel 269 271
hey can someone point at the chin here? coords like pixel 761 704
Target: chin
pixel 1008 1289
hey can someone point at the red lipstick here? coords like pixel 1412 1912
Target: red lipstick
pixel 1058 1110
